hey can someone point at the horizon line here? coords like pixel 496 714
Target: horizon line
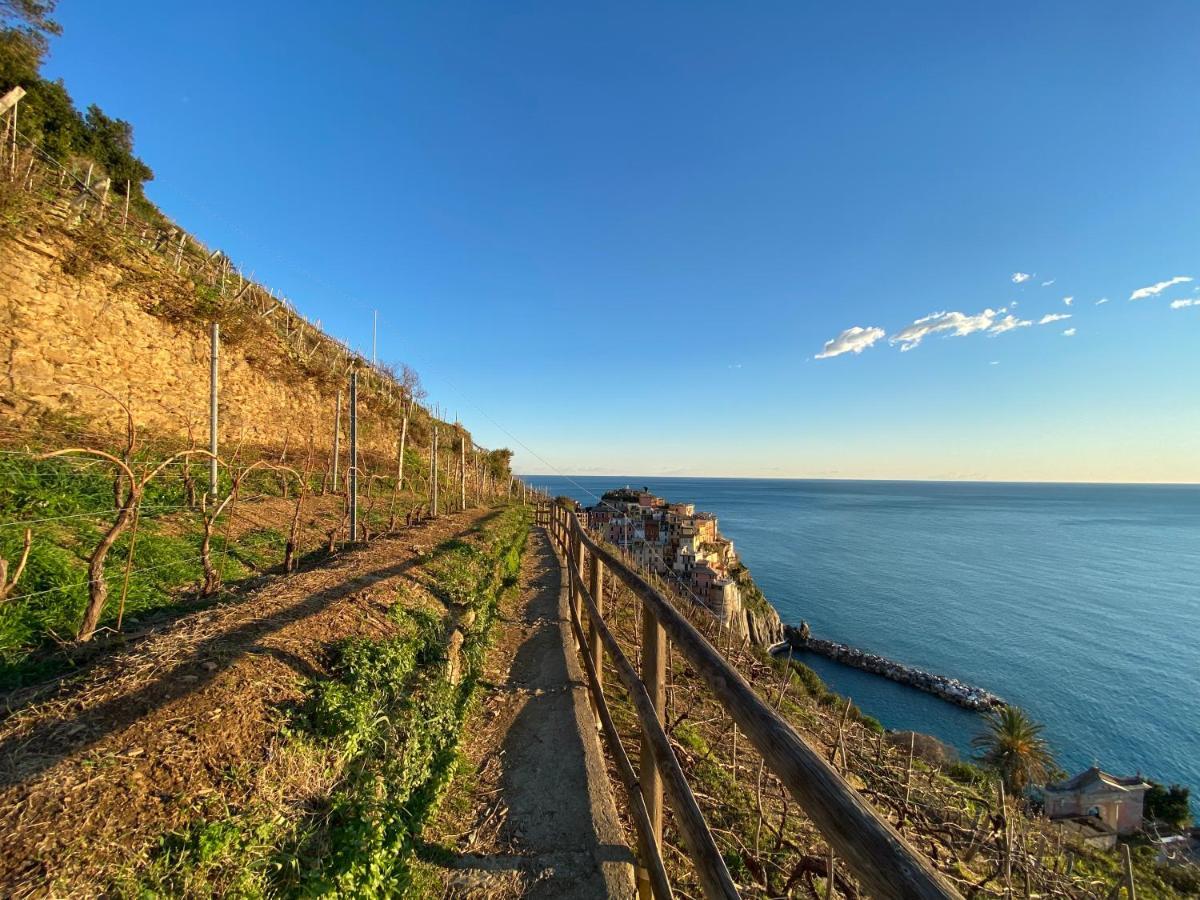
pixel 529 475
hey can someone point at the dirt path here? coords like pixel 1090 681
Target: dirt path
pixel 179 725
pixel 537 818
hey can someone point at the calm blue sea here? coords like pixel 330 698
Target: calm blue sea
pixel 1079 603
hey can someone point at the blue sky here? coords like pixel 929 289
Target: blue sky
pixel 625 232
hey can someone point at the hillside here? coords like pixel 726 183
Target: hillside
pixel 352 664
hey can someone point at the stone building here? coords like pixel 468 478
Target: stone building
pixel 1098 805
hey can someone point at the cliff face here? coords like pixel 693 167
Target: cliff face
pixel 760 620
pixel 764 626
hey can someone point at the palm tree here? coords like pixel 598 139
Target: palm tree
pixel 1013 745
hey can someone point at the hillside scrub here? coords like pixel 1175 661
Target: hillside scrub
pixel 49 115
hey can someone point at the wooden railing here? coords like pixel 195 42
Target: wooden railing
pixel 883 862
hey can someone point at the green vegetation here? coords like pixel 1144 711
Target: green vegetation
pixel 67 505
pixel 380 735
pixel 752 596
pixel 1153 879
pixel 48 115
pixel 1168 805
pixel 1013 746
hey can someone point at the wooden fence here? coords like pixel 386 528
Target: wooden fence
pixel 882 861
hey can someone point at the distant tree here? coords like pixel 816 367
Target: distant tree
pixel 48 116
pixel 31 18
pixel 25 28
pixel 110 143
pixel 1013 746
pixel 1168 805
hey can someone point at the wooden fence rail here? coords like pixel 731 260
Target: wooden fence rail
pixel 875 853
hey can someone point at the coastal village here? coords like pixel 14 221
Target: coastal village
pixel 685 547
pixel 674 541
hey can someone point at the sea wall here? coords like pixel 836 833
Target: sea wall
pixel 72 337
pixel 949 689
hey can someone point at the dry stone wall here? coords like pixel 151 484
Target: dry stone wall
pixel 63 335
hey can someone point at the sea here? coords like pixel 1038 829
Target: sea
pixel 1079 603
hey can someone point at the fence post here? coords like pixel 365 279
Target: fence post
pixel 462 469
pixel 654 676
pixel 337 438
pixel 12 121
pixel 576 566
pixel 1130 884
pixel 213 376
pixel 353 470
pixel 597 587
pixel 434 477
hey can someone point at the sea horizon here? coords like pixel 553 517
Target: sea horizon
pixel 1184 484
pixel 1071 600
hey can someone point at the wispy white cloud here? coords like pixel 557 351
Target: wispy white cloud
pixel 1053 317
pixel 1068 300
pixel 994 362
pixel 1101 300
pixel 1156 289
pixel 1020 277
pixel 1048 283
pixel 1070 332
pixel 1008 323
pixel 1182 304
pixel 852 340
pixel 955 323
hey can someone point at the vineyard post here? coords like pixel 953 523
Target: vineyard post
pixel 1130 884
pixel 213 376
pixel 13 125
pixel 337 437
pixel 353 470
pixel 462 469
pixel 433 480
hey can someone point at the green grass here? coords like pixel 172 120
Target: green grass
pixel 383 731
pixel 68 505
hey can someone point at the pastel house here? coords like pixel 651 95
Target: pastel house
pixel 1097 804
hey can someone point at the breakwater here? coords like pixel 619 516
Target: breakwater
pixel 949 689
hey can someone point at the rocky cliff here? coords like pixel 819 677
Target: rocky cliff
pixel 759 620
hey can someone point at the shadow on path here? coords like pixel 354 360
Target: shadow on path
pixel 560 824
pixel 27 753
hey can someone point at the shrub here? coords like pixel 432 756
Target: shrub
pixel 1168 805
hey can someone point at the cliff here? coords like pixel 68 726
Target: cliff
pixel 760 620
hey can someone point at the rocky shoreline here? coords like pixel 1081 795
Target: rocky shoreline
pixel 949 689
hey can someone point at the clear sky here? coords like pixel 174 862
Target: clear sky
pixel 637 235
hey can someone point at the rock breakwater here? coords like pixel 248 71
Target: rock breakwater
pixel 949 689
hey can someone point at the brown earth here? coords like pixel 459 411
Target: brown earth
pixel 536 817
pixel 150 738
